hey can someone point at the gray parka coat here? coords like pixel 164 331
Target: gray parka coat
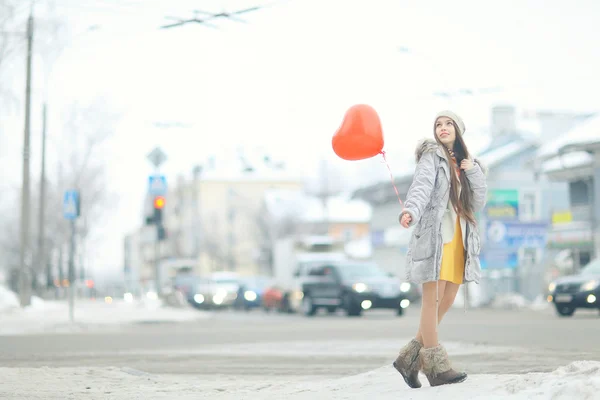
pixel 426 202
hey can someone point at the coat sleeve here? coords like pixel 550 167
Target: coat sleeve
pixel 478 183
pixel 419 193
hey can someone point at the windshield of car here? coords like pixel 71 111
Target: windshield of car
pixel 226 281
pixel 202 284
pixel 593 268
pixel 355 271
pixel 257 282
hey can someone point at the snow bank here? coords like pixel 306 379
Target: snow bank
pixel 8 299
pixel 516 301
pixel 53 316
pixel 579 380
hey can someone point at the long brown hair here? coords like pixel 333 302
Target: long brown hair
pixel 463 204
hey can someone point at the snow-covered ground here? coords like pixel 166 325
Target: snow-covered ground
pixel 579 380
pixel 53 316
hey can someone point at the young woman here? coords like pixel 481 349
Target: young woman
pixel 448 187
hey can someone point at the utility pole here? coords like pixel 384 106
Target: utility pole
pixel 72 211
pixel 72 278
pixel 157 157
pixel 324 194
pixel 41 225
pixel 197 173
pixel 231 259
pixel 25 255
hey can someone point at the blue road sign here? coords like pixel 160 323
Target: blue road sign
pixel 498 258
pixel 515 234
pixel 157 185
pixel 71 204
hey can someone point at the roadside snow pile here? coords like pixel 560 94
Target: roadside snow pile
pixel 509 301
pixel 579 380
pixel 8 299
pixel 516 301
pixel 53 316
pixel 540 303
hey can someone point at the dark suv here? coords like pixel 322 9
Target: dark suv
pixel 582 290
pixel 354 287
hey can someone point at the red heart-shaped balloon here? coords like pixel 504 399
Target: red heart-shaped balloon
pixel 360 135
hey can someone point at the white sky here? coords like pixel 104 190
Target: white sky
pixel 283 81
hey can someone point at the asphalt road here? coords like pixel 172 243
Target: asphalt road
pixel 292 346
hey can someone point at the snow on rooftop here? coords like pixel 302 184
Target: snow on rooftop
pixel 497 155
pixel 247 164
pixel 567 161
pixel 360 248
pixel 281 202
pixel 231 173
pixel 337 210
pixel 587 132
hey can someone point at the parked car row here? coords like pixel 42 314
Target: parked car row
pixel 353 287
pixel 222 290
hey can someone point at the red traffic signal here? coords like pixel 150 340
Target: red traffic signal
pixel 159 202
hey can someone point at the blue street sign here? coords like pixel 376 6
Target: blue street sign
pixel 498 258
pixel 157 185
pixel 71 204
pixel 515 234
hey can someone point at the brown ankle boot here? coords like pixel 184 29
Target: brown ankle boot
pixel 407 363
pixel 437 368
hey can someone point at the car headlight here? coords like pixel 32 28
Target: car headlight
pixel 591 285
pixel 551 287
pixel 198 298
pixel 250 295
pixel 359 287
pixel 404 287
pixel 298 295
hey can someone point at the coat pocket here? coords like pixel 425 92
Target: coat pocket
pixel 423 248
pixel 474 242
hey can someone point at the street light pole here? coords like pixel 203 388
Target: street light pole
pixel 41 253
pixel 41 258
pixel 25 248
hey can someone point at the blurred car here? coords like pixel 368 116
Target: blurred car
pixel 354 287
pixel 250 292
pixel 185 283
pixel 220 290
pixel 272 299
pixel 413 292
pixel 582 290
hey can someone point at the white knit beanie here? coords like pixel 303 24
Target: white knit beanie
pixel 454 117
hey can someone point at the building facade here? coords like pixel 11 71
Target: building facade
pixel 574 159
pixel 211 221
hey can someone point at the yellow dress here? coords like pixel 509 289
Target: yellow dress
pixel 453 257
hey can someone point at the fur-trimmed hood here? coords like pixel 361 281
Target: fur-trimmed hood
pixel 426 146
pixel 430 145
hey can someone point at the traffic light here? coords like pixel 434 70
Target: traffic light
pixel 161 233
pixel 159 204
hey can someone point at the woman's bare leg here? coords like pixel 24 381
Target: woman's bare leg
pixel 448 291
pixel 447 300
pixel 427 333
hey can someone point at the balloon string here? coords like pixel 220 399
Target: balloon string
pixel 392 178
